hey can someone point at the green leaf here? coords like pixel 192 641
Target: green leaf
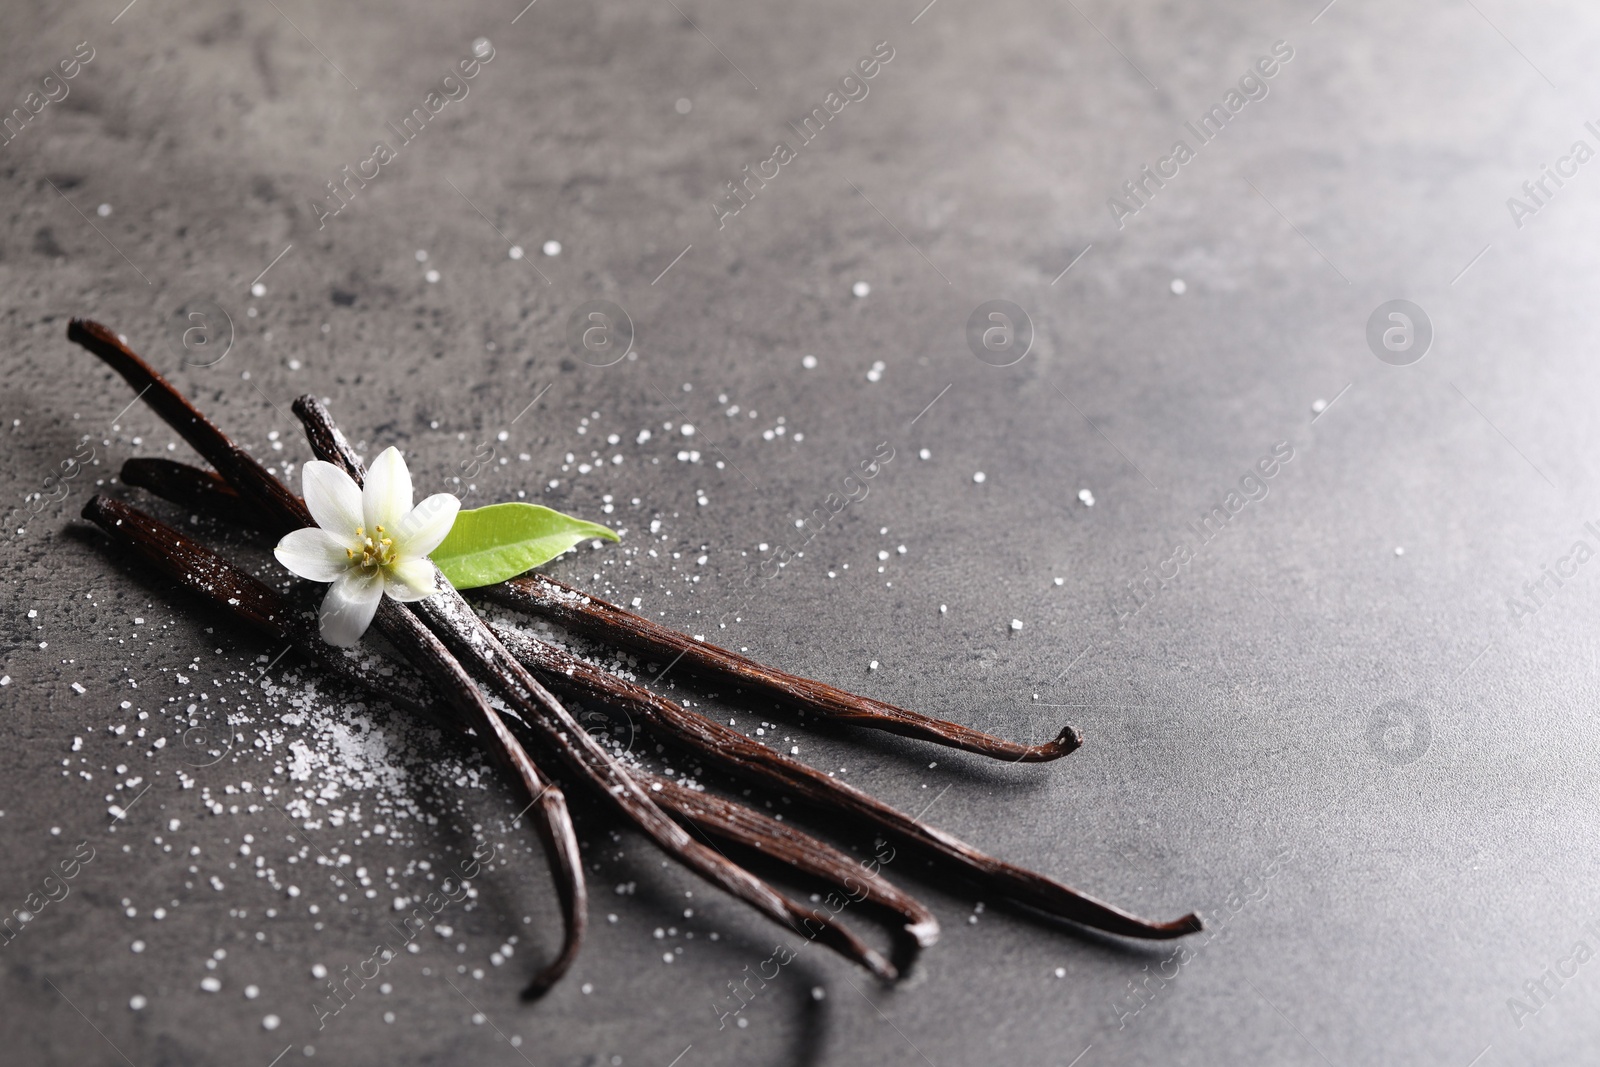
pixel 490 544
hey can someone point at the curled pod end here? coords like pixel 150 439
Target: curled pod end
pixel 1067 741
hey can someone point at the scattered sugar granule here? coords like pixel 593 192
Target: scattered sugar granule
pixel 861 289
pixel 1016 624
pixel 1179 287
pixel 980 477
pixel 1086 497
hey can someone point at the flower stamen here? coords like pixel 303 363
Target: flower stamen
pixel 376 553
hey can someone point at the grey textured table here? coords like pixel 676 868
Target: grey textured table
pixel 1343 712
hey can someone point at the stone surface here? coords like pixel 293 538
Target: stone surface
pixel 1371 772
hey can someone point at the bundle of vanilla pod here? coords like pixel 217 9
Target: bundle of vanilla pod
pixel 503 688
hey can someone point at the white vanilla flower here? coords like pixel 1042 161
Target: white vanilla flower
pixel 367 542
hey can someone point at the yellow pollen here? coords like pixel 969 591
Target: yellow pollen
pixel 374 553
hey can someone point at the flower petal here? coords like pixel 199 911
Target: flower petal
pixel 348 608
pixel 387 496
pixel 314 553
pixel 332 497
pixel 426 525
pixel 410 579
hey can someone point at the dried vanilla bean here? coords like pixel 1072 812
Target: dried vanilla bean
pixel 751 760
pixel 560 838
pixel 280 510
pixel 589 616
pixel 732 822
pixel 202 571
pixel 196 490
